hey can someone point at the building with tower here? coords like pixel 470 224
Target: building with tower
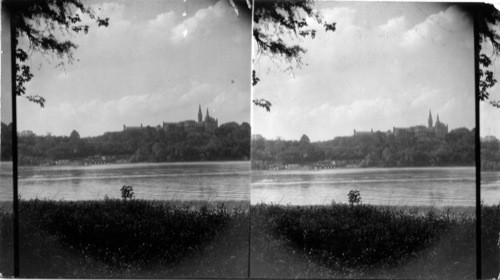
pixel 437 130
pixel 432 130
pixel 209 124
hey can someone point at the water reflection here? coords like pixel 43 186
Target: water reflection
pixel 391 186
pixel 6 181
pixel 163 181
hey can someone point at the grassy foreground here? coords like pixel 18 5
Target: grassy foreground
pixel 136 238
pixel 362 241
pixel 490 251
pixel 154 239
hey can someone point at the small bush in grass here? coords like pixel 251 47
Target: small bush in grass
pixel 127 192
pixel 354 197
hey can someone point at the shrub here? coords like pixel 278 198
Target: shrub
pixel 120 235
pixel 127 192
pixel 354 197
pixel 356 237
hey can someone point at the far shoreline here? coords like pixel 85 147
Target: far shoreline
pixel 139 163
pixel 309 168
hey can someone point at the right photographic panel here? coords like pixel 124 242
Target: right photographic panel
pixel 363 145
pixel 489 108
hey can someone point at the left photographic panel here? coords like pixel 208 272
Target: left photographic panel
pixel 133 138
pixel 6 171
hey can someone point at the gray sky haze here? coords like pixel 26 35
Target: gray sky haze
pixel 152 64
pixel 386 65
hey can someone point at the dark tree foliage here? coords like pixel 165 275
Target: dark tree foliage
pixel 490 154
pixel 375 150
pixel 488 26
pixel 43 24
pixel 74 135
pixel 278 28
pixel 230 141
pixel 304 140
pixel 6 142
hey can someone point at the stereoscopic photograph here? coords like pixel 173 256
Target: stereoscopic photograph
pixel 133 138
pixel 231 139
pixel 365 165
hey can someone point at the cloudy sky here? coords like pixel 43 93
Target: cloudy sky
pixel 386 65
pixel 6 104
pixel 489 115
pixel 151 64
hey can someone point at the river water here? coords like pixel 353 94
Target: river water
pixel 490 187
pixel 6 181
pixel 234 181
pixel 388 186
pixel 158 181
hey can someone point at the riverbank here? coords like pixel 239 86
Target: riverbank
pixel 130 239
pixel 352 164
pixel 363 241
pixel 157 239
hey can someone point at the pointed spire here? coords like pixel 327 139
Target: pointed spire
pixel 200 115
pixel 207 116
pixel 430 119
pixel 438 123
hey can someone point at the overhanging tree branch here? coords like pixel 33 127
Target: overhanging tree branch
pixel 38 22
pixel 278 25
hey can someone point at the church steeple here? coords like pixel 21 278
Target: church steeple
pixel 200 115
pixel 430 119
pixel 207 115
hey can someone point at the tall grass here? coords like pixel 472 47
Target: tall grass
pixel 490 230
pixel 6 240
pixel 120 233
pixel 372 241
pixel 116 238
pixel 153 239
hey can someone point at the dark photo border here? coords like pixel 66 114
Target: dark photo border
pixel 473 9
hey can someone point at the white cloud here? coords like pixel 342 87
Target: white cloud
pixel 439 29
pixel 110 9
pixel 424 98
pixel 363 110
pixel 197 92
pixel 490 124
pixel 394 25
pixel 162 21
pixel 341 15
pixel 195 23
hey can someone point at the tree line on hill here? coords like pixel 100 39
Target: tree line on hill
pixel 490 154
pixel 6 142
pixel 230 141
pixel 369 150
